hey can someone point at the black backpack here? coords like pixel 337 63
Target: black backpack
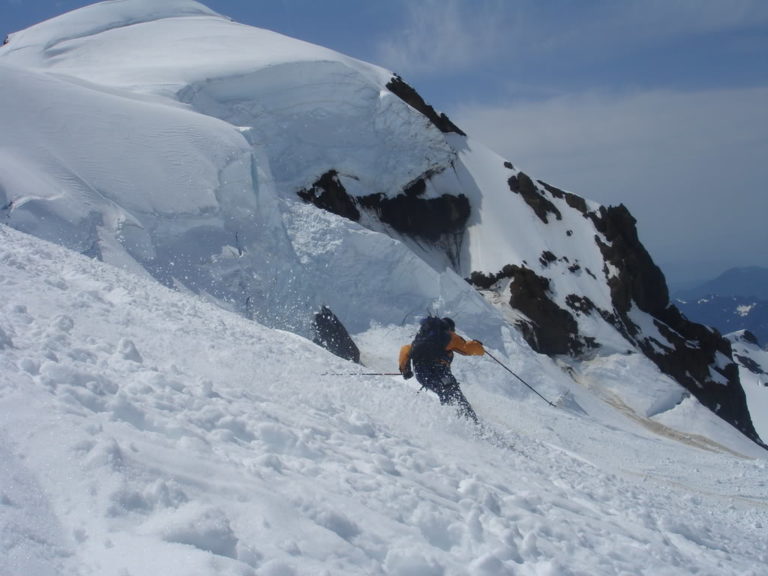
pixel 429 344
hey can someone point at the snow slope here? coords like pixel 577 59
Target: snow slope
pixel 145 431
pixel 174 141
pixel 218 204
pixel 123 165
pixel 169 140
pixel 155 431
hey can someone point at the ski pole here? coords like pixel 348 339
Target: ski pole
pixel 518 377
pixel 361 374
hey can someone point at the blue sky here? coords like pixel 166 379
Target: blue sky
pixel 658 104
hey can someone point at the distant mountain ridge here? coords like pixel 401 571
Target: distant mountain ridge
pixel 748 282
pixel 736 300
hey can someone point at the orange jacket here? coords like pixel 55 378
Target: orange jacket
pixel 457 344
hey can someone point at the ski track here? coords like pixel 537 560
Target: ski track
pixel 145 431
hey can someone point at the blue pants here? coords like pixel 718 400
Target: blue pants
pixel 439 380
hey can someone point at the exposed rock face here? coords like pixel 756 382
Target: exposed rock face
pixel 440 221
pixel 576 202
pixel 550 330
pixel 437 220
pixel 329 194
pixel 426 218
pixel 408 95
pixel 522 184
pixel 699 358
pixel 750 364
pixel 331 334
pixel 751 338
pixel 638 278
pixel 554 329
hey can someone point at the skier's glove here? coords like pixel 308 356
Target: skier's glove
pixel 408 373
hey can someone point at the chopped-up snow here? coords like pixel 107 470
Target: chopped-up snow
pixel 146 431
pixel 159 433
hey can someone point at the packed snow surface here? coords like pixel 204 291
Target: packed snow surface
pixel 145 431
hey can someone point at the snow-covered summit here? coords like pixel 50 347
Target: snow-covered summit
pixel 101 17
pixel 158 45
pixel 199 202
pixel 167 139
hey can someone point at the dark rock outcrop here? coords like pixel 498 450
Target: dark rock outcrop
pixel 331 334
pixel 701 360
pixel 695 356
pixel 407 94
pixel 522 184
pixel 638 278
pixel 750 364
pixel 547 257
pixel 550 329
pixel 747 336
pixel 440 221
pixel 426 218
pixel 575 202
pixel 329 194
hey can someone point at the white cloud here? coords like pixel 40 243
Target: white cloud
pixel 442 36
pixel 691 167
pixel 606 25
pixel 673 17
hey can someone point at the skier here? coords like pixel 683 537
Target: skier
pixel 431 354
